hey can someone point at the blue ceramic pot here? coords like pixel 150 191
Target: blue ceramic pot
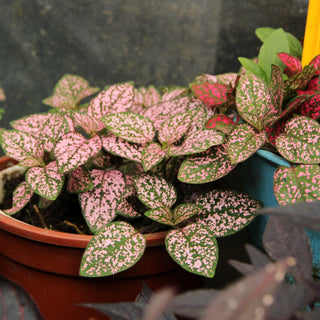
pixel 257 174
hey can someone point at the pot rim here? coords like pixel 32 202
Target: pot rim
pixel 272 157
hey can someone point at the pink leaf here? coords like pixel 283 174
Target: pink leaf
pixel 293 64
pixel 207 166
pixel 2 94
pixel 45 181
pixel 146 97
pixel 130 126
pixel 73 150
pixel 115 248
pixel 116 98
pixel 226 212
pixel 152 155
pixel 194 248
pixel 99 204
pixel 211 94
pixel 243 142
pixel 122 148
pixel 297 184
pixel 87 123
pixel 79 180
pixel 124 208
pixel 22 147
pixel 173 94
pixel 69 91
pixel 155 191
pixel 21 196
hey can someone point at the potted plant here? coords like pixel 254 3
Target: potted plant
pixel 275 133
pixel 120 157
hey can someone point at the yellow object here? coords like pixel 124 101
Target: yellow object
pixel 311 44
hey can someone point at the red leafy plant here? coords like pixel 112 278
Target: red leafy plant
pixel 275 107
pixel 121 153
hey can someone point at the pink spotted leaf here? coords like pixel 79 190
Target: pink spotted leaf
pixel 99 204
pixel 116 98
pixel 299 80
pixel 2 94
pixel 79 180
pixel 152 155
pixel 74 150
pixel 86 122
pixel 171 94
pixel 21 196
pixel 162 215
pixel 45 181
pixel 115 248
pixel 198 141
pixel 124 208
pixel 207 166
pixel 185 211
pixel 243 142
pixel 146 97
pixel 311 107
pixel 123 148
pixel 69 91
pixel 312 88
pixel 226 212
pixel 174 128
pixel 255 101
pixel 211 94
pixel 194 248
pixel 293 64
pixel 316 63
pixel 22 147
pixel 296 184
pixel 220 122
pixel 300 142
pixel 276 87
pixel 199 118
pixel 130 126
pixel 155 191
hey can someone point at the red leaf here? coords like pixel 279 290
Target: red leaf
pixel 211 93
pixel 311 107
pixel 220 122
pixel 293 64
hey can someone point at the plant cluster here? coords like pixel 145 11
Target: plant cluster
pixel 130 153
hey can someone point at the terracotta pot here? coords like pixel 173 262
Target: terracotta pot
pixel 46 264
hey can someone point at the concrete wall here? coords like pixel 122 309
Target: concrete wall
pixel 161 42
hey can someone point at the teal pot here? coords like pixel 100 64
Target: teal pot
pixel 257 180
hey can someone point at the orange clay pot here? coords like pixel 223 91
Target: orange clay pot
pixel 46 264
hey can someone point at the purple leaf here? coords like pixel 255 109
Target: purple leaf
pixel 130 126
pixel 225 212
pixel 300 142
pixel 21 196
pixel 152 154
pixel 122 148
pixel 99 204
pixel 155 191
pixel 69 91
pixel 115 248
pixel 197 141
pixel 79 180
pixel 243 142
pixel 22 147
pixel 207 166
pixel 45 181
pixel 73 150
pixel 116 98
pixel 255 102
pixel 282 239
pixel 194 248
pixel 296 184
pixel 251 297
pixel 174 128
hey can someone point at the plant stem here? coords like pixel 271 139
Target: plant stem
pixel 68 223
pixel 36 209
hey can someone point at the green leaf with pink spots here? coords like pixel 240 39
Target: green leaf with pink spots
pixel 220 122
pixel 225 212
pixel 299 80
pixel 21 196
pixel 152 155
pixel 22 147
pixel 155 191
pixel 300 142
pixel 45 181
pixel 162 215
pixel 69 91
pixel 206 166
pixel 186 211
pixel 243 142
pixel 297 184
pixel 255 101
pixel 276 87
pixel 79 180
pixel 194 248
pixel 74 150
pixel 115 248
pixel 116 98
pixel 130 126
pixel 100 203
